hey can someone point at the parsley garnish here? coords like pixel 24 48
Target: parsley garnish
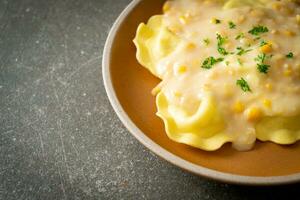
pixel 290 55
pixel 239 36
pixel 221 40
pixel 257 38
pixel 231 25
pixel 244 85
pixel 261 66
pixel 210 61
pixel 242 51
pixel 261 58
pixel 256 30
pixel 206 41
pixel 217 21
pixel 263 43
pixel 240 61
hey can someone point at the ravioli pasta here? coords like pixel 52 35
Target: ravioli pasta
pixel 229 70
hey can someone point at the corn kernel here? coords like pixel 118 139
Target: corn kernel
pixel 238 107
pixel 257 13
pixel 267 103
pixel 267 48
pixel 241 19
pixel 254 114
pixel 175 28
pixel 289 33
pixel 288 72
pixel 269 86
pixel 166 7
pixel 276 6
pixel 183 19
pixel 274 31
pixel 298 19
pixel 182 69
pixel 177 94
pixel 190 46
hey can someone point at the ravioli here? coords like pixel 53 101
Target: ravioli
pixel 227 72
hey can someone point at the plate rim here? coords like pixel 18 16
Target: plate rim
pixel 157 149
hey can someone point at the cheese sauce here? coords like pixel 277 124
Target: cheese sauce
pixel 247 58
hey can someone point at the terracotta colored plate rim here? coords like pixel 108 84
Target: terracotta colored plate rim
pixel 157 149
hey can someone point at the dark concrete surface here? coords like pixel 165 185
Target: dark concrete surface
pixel 59 137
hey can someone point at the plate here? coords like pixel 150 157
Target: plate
pixel 128 86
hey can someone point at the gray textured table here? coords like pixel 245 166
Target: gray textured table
pixel 59 137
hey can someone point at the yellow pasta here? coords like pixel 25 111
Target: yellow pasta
pixel 224 77
pixel 154 42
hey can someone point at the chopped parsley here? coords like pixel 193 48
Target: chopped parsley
pixel 242 51
pixel 239 36
pixel 227 63
pixel 221 40
pixel 257 38
pixel 210 61
pixel 240 61
pixel 231 25
pixel 261 66
pixel 263 43
pixel 217 21
pixel 206 41
pixel 257 30
pixel 243 84
pixel 290 55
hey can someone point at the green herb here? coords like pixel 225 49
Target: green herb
pixel 221 40
pixel 263 68
pixel 217 21
pixel 244 85
pixel 257 30
pixel 261 58
pixel 290 55
pixel 257 38
pixel 239 36
pixel 206 41
pixel 210 61
pixel 240 61
pixel 242 51
pixel 222 51
pixel 263 43
pixel 227 63
pixel 231 25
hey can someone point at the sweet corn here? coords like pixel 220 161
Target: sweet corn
pixel 175 28
pixel 267 48
pixel 289 33
pixel 241 19
pixel 274 31
pixel 238 107
pixel 183 19
pixel 166 7
pixel 269 86
pixel 177 94
pixel 190 46
pixel 254 114
pixel 298 19
pixel 182 69
pixel 288 72
pixel 267 103
pixel 276 6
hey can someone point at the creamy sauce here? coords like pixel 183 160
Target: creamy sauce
pixel 274 93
